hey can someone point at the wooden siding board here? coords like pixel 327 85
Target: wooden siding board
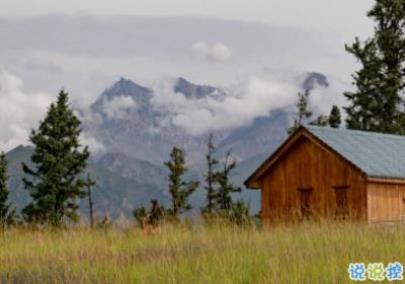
pixel 308 164
pixel 385 202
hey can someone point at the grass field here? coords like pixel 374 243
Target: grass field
pixel 305 253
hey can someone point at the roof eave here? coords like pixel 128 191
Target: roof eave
pixel 382 179
pixel 252 185
pixel 252 181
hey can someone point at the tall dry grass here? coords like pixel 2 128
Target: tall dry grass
pixel 303 253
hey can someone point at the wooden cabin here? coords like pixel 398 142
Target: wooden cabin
pixel 334 173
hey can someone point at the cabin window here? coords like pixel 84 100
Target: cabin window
pixel 305 202
pixel 341 201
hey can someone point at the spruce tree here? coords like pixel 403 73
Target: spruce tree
pixel 376 104
pixel 180 190
pixel 56 181
pixel 210 177
pixel 303 112
pixel 335 118
pixel 226 188
pixel 7 212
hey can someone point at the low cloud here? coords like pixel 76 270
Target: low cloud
pixel 118 107
pixel 254 98
pixel 216 52
pixel 90 120
pixel 19 111
pixel 322 99
pixel 94 145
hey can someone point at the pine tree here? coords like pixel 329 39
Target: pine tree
pixel 335 117
pixel 226 188
pixel 376 104
pixel 236 212
pixel 7 212
pixel 210 177
pixel 303 112
pixel 56 182
pixel 180 190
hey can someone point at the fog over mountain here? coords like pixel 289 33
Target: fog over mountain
pixel 146 123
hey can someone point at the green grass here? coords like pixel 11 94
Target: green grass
pixel 305 253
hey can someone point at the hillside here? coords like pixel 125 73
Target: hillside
pixel 114 195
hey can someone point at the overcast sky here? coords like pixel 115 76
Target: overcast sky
pixel 332 14
pixel 257 50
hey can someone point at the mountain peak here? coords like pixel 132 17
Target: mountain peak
pixel 19 151
pixel 127 87
pixel 20 148
pixel 181 80
pixel 123 80
pixel 191 90
pixel 314 79
pixel 123 88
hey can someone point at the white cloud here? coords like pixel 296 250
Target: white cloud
pixel 94 145
pixel 256 97
pixel 19 111
pixel 90 120
pixel 216 52
pixel 322 99
pixel 253 98
pixel 118 107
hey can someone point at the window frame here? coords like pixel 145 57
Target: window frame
pixel 305 202
pixel 341 201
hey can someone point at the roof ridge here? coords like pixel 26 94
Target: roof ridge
pixel 355 132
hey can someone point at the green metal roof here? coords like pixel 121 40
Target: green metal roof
pixel 378 155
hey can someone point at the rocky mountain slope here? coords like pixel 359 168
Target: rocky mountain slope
pixel 127 122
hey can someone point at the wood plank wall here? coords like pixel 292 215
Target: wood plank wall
pixel 311 165
pixel 385 202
